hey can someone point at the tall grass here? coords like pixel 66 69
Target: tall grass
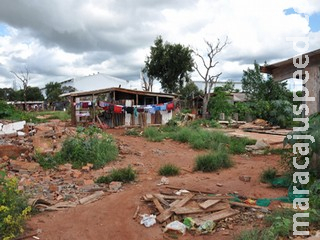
pixel 169 170
pixel 88 146
pixel 120 175
pixel 213 161
pixel 153 134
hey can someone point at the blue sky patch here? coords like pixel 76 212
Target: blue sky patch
pixel 314 22
pixel 3 30
pixel 314 19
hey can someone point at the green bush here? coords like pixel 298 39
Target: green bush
pixel 315 194
pixel 169 170
pixel 213 161
pixel 13 208
pixel 153 134
pixel 88 146
pixel 238 145
pixel 280 222
pixel 121 175
pixel 268 175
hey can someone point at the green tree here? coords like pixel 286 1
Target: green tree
pixel 189 91
pixel 269 100
pixel 53 92
pixel 34 94
pixel 256 87
pixel 7 94
pixel 221 102
pixel 169 63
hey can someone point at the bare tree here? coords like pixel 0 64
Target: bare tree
pixel 209 62
pixel 147 84
pixel 24 77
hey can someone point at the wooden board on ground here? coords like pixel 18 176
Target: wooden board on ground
pixel 208 203
pixel 248 206
pixel 216 216
pixel 168 212
pixel 158 205
pixel 194 210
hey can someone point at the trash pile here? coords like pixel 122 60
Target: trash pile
pixel 196 212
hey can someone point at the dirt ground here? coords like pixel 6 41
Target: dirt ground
pixel 112 216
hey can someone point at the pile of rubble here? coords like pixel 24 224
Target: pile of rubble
pixel 53 189
pixel 197 211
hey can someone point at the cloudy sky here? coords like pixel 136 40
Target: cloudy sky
pixel 61 39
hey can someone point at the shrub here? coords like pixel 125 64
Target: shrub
pixel 47 161
pixel 213 161
pixel 88 146
pixel 280 222
pixel 121 175
pixel 169 170
pixel 13 208
pixel 238 145
pixel 268 175
pixel 81 150
pixel 153 134
pixel 315 194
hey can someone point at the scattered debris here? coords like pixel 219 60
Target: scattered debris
pixel 148 220
pixel 115 186
pixel 91 198
pixel 176 226
pixel 163 181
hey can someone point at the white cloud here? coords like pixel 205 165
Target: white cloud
pixel 63 39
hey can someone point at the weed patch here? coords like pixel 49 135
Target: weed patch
pixel 213 161
pixel 268 175
pixel 153 134
pixel 88 146
pixel 13 208
pixel 169 170
pixel 256 234
pixel 121 175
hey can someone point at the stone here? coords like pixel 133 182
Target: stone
pixel 115 186
pixel 31 167
pixel 245 178
pixel 219 184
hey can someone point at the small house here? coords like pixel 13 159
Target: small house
pixel 116 107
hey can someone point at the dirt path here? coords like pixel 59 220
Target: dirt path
pixel 111 217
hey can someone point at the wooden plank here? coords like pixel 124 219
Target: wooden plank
pixel 136 212
pixel 208 203
pixel 191 190
pixel 216 216
pixel 193 210
pixel 161 199
pixel 91 198
pixel 248 205
pixel 187 210
pixel 158 205
pixel 168 212
pixel 196 197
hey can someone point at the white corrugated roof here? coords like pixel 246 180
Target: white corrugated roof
pixel 97 81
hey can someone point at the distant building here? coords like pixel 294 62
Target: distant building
pixel 201 84
pixel 95 81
